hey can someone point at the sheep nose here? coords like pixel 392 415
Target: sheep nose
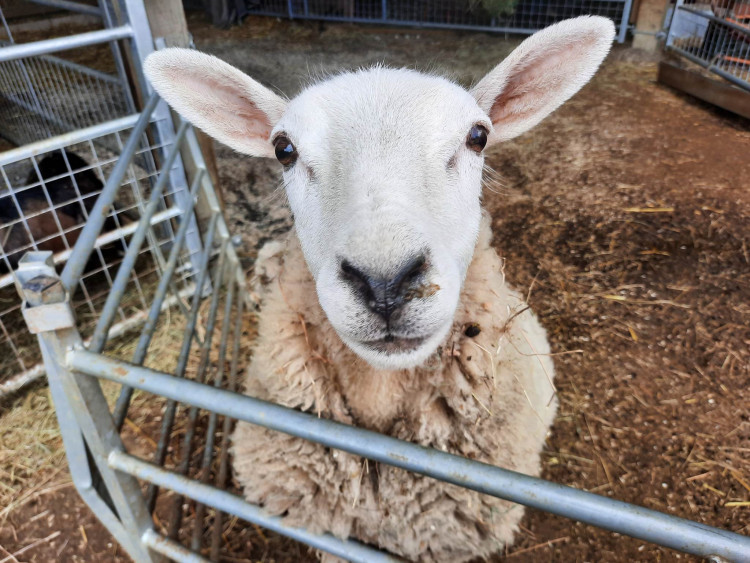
pixel 384 295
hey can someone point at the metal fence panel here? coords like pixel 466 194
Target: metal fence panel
pixel 501 16
pixel 75 121
pixel 715 36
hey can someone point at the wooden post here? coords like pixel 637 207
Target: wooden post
pixel 648 23
pixel 166 19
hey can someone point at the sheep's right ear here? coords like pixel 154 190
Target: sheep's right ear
pixel 220 99
pixel 544 71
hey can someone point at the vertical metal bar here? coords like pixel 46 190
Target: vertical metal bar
pixel 107 315
pixel 213 417
pixel 117 54
pixel 169 411
pixel 384 9
pixel 5 26
pixel 221 478
pixel 78 258
pixel 84 409
pixel 147 333
pixel 290 7
pixel 143 45
pixel 187 446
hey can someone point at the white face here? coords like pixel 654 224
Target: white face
pixel 383 171
pixel 384 176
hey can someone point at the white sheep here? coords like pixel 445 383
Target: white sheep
pixel 413 332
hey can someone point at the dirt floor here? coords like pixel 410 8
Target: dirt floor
pixel 625 216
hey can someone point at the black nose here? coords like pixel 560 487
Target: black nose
pixel 384 295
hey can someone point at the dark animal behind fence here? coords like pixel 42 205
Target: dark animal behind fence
pixel 70 205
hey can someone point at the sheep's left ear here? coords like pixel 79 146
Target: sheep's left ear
pixel 544 71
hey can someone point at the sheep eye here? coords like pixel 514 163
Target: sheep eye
pixel 477 138
pixel 286 153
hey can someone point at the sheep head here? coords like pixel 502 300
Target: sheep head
pixel 383 168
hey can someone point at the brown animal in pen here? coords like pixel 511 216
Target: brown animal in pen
pixel 56 227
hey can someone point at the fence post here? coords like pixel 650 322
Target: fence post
pixel 625 21
pixel 85 421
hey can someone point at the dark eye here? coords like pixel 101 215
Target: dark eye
pixel 477 138
pixel 285 151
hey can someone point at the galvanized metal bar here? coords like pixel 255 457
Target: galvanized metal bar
pixel 170 548
pixel 142 45
pixel 417 24
pixel 109 21
pixel 70 65
pixel 144 341
pixel 70 6
pixel 191 142
pixel 223 473
pixel 24 50
pixel 107 316
pixel 710 66
pixel 617 516
pixel 60 141
pixel 85 244
pixel 622 32
pixel 208 449
pixel 105 239
pixel 233 504
pixel 84 404
pixel 722 21
pixel 171 407
pixel 5 26
pixel 187 445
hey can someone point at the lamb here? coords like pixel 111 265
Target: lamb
pixel 387 308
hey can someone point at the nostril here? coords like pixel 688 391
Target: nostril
pixel 409 273
pixel 352 272
pixel 416 267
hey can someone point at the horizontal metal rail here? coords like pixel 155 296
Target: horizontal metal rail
pixel 643 523
pixel 408 23
pixel 722 21
pixel 46 46
pixel 228 502
pixel 116 330
pixel 66 139
pixel 105 238
pixel 83 69
pixel 171 548
pixel 712 67
pixel 71 6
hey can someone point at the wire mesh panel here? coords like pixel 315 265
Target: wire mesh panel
pixel 511 16
pixel 46 95
pixel 715 36
pixel 70 95
pixel 46 198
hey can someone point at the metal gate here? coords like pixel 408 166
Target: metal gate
pixel 715 36
pixel 499 16
pixel 71 121
pixel 96 451
pixel 107 475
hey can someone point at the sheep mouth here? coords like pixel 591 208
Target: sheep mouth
pixel 391 344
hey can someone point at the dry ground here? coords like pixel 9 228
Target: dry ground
pixel 625 215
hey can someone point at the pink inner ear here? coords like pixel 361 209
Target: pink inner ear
pixel 536 82
pixel 225 104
